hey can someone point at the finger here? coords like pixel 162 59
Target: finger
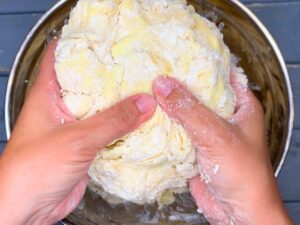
pixel 44 103
pixel 103 128
pixel 249 112
pixel 203 126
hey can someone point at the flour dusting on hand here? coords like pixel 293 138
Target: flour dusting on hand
pixel 111 49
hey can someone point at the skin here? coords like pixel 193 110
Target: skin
pixel 43 171
pixel 236 184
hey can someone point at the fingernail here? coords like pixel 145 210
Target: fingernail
pixel 145 103
pixel 164 86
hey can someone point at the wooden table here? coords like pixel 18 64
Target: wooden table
pixel 281 17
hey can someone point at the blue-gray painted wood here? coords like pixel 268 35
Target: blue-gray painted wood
pixel 3 83
pixel 2 145
pixel 282 20
pixel 25 6
pixel 288 178
pixel 294 211
pixel 14 29
pixel 280 17
pixel 264 1
pixel 294 71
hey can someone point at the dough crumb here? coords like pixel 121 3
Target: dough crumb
pixel 110 50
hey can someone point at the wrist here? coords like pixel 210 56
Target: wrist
pixel 265 206
pixel 268 215
pixel 15 208
pixel 12 210
pixel 18 199
pixel 259 201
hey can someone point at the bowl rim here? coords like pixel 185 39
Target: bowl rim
pixel 283 66
pixel 237 3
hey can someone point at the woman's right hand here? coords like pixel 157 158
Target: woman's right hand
pixel 43 170
pixel 236 184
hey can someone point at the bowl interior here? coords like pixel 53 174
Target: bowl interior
pixel 256 56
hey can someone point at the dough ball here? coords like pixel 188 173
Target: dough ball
pixel 111 49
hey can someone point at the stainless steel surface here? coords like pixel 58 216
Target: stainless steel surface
pixel 281 62
pixel 243 33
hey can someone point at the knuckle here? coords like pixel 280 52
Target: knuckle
pixel 181 100
pixel 226 135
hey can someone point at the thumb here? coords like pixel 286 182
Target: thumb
pixel 249 114
pixel 94 133
pixel 204 127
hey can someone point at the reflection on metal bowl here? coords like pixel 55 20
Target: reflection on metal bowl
pixel 258 54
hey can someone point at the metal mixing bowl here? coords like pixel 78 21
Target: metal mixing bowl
pixel 247 38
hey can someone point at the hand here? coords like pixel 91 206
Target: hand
pixel 236 183
pixel 43 171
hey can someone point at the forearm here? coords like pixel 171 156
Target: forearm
pixel 20 199
pixel 264 205
pixel 9 215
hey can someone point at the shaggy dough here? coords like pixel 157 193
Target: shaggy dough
pixel 111 49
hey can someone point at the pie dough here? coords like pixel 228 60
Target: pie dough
pixel 111 49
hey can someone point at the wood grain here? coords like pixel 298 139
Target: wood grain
pixel 14 29
pixel 25 6
pixel 282 20
pixel 281 17
pixel 289 174
pixel 294 211
pixel 294 72
pixel 3 83
pixel 288 178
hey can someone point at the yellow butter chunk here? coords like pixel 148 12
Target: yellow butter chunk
pixel 122 47
pixel 111 49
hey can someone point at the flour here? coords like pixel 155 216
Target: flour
pixel 112 49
